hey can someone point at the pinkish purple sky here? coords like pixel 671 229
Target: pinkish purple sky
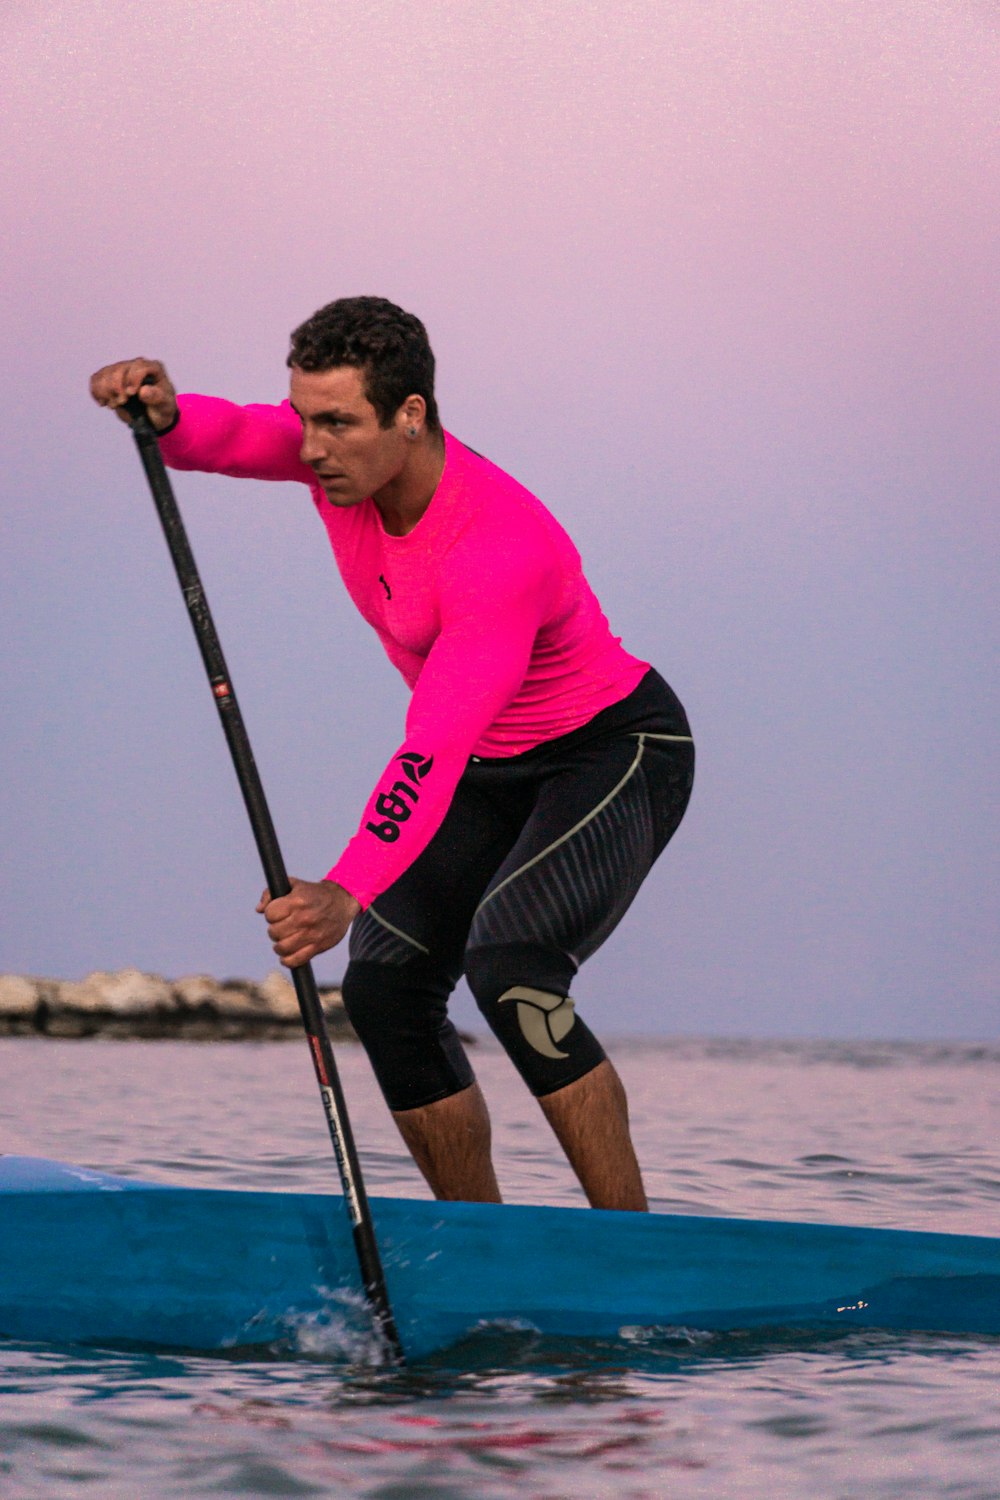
pixel 718 279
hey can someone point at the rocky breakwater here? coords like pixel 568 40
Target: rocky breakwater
pixel 132 1004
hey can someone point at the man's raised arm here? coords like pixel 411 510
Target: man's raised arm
pixel 204 432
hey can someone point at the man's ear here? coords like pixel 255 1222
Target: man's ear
pixel 412 416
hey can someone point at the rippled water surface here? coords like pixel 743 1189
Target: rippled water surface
pixel 889 1134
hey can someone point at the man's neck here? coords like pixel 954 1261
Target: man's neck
pixel 403 501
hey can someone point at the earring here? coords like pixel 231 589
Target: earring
pixel 411 432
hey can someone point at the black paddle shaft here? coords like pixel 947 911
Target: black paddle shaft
pixel 275 874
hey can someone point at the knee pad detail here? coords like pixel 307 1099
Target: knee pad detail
pixel 544 1018
pixel 523 996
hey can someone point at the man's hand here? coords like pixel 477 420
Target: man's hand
pixel 313 917
pixel 146 378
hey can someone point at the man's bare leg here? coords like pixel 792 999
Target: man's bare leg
pixel 590 1119
pixel 450 1143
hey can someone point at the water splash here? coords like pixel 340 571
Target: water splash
pixel 341 1331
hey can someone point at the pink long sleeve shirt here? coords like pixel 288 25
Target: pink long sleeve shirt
pixel 483 608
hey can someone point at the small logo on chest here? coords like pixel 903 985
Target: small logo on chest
pixel 388 590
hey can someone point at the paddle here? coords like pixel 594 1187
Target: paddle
pixel 275 874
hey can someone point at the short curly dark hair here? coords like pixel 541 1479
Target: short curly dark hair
pixel 389 346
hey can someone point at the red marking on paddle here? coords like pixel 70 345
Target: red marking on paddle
pixel 318 1055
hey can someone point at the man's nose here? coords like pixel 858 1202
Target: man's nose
pixel 309 450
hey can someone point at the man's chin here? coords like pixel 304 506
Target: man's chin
pixel 338 495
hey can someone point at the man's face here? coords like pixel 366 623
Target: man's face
pixel 342 442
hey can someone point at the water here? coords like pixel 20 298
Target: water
pixel 890 1134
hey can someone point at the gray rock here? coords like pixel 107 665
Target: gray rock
pixel 129 992
pixel 18 995
pixel 278 994
pixel 195 990
pixel 129 1003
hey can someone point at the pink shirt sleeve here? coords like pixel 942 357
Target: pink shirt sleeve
pixel 493 599
pixel 246 442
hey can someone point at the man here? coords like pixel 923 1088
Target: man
pixel 543 770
